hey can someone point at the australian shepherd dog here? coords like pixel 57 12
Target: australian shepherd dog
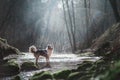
pixel 41 52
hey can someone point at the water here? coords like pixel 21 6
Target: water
pixel 57 62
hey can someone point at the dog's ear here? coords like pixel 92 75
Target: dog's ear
pixel 33 45
pixel 52 46
pixel 48 44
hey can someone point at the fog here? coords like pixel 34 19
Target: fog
pixel 42 22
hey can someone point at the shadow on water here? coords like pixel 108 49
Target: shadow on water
pixel 44 65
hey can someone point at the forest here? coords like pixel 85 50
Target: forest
pixel 59 39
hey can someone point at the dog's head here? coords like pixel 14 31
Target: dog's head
pixel 49 47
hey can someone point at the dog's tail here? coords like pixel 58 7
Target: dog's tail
pixel 32 49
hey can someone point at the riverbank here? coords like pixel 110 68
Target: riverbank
pixel 58 62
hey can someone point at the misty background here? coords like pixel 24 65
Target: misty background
pixel 67 24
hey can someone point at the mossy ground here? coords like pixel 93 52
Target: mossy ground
pixel 9 68
pixel 113 73
pixel 62 74
pixel 26 66
pixel 16 78
pixel 44 75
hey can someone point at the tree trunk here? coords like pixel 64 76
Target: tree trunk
pixel 115 9
pixel 67 27
pixel 74 27
pixel 87 22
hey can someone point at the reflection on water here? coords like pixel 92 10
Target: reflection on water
pixel 46 66
pixel 56 58
pixel 57 62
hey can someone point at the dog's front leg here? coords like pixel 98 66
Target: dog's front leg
pixel 47 60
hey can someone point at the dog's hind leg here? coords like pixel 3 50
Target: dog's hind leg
pixel 37 57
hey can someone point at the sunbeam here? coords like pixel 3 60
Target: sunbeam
pixel 59 39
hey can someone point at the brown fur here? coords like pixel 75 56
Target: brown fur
pixel 44 53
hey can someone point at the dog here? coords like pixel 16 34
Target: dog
pixel 41 52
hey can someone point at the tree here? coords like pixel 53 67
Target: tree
pixel 69 15
pixel 11 5
pixel 86 19
pixel 115 9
